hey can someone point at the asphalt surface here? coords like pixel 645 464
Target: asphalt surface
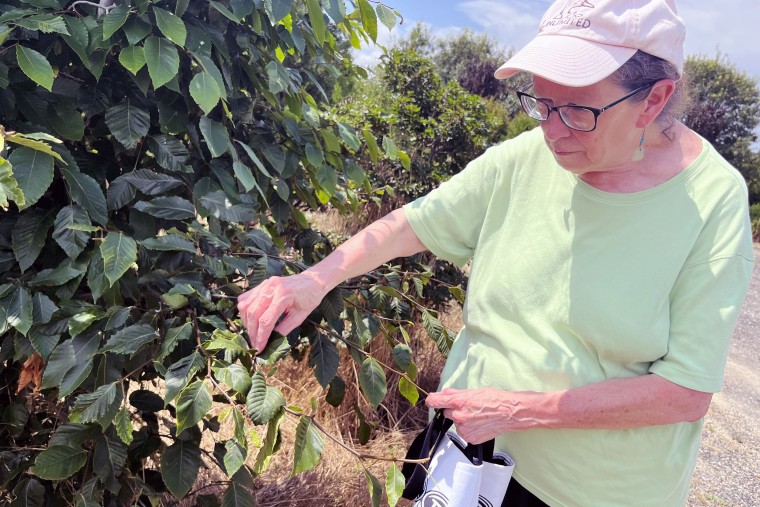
pixel 728 467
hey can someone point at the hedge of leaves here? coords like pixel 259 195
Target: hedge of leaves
pixel 157 156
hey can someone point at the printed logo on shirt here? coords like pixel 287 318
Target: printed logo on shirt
pixel 438 499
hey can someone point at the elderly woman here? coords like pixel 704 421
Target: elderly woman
pixel 610 252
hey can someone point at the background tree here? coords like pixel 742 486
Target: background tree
pixel 725 109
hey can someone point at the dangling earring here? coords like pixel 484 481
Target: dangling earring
pixel 639 153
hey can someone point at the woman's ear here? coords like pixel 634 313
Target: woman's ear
pixel 656 101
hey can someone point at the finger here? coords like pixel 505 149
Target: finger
pixel 267 321
pixel 291 321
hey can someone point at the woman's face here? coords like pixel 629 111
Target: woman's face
pixel 610 146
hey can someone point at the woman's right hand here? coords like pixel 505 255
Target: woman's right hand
pixel 288 300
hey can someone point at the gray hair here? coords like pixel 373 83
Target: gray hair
pixel 643 68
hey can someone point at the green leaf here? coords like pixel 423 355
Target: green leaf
pixel 375 488
pixel 151 183
pixel 402 356
pixel 308 446
pixel 234 457
pixel 372 381
pixel 37 142
pixel 130 339
pixel 436 330
pixel 387 16
pixel 128 123
pixel 216 136
pixel 82 321
pixel 278 76
pixel 324 358
pixel 170 243
pixel 123 424
pixel 109 458
pixel 271 443
pixel 263 401
pixel 394 483
pixel 236 377
pixel 35 66
pixel 408 390
pixel 100 406
pixel 278 9
pixel 348 134
pixel 171 26
pixel 44 308
pixel 33 171
pixel 374 150
pixel 171 154
pixel 87 193
pixel 57 276
pixel 205 91
pixel 96 278
pixel 114 20
pixel 314 155
pixel 170 208
pixel 244 175
pixel 369 19
pixel 337 392
pixel 119 252
pixel 46 23
pixel 390 149
pixel 29 235
pixel 172 339
pixel 327 177
pixel 162 59
pixel 224 11
pixel 9 189
pixel 20 310
pixel 336 9
pixel 132 58
pixel 180 373
pixel 180 463
pixel 317 20
pixel 59 462
pixel 193 403
pixel 72 241
pixel 237 496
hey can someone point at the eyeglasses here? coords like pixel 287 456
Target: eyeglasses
pixel 580 118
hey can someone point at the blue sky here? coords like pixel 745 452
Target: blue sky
pixel 728 26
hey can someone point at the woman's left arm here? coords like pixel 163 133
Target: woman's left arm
pixel 646 400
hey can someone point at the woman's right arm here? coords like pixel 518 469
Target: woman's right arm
pixel 295 297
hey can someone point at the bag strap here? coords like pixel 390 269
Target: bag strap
pixel 423 447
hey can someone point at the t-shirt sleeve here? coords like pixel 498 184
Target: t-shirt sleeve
pixel 449 219
pixel 706 299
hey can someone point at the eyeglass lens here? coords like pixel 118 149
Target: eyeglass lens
pixel 578 118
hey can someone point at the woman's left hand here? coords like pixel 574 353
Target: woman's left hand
pixel 479 414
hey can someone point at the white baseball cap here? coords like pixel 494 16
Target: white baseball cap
pixel 581 42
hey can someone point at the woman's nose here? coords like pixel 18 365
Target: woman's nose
pixel 554 128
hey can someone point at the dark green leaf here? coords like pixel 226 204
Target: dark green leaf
pixel 278 9
pixel 120 192
pixel 216 136
pixel 109 458
pixel 372 381
pixel 234 457
pixel 33 171
pixel 180 463
pixel 237 496
pixel 193 403
pixel 83 348
pixel 317 20
pixel 29 493
pixel 20 310
pixel 263 401
pixel 151 183
pixel 402 356
pixel 35 66
pixel 136 29
pixel 278 75
pixel 87 193
pixel 56 276
pixel 72 241
pixel 171 26
pixel 308 446
pixel 336 9
pixel 29 235
pixel 337 392
pixel 271 443
pixel 245 176
pixel 170 243
pixel 96 277
pixel 119 252
pixel 128 123
pixel 44 308
pixel 369 19
pixel 171 208
pixel 375 488
pixel 180 373
pixel 348 134
pixel 58 462
pixel 162 59
pixel 219 205
pixel 100 406
pixel 236 377
pixel 172 339
pixel 114 20
pixel 130 339
pixel 324 358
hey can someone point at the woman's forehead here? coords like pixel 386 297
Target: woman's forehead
pixel 585 95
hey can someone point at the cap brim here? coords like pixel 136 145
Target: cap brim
pixel 569 61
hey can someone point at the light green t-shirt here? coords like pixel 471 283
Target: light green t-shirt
pixel 571 285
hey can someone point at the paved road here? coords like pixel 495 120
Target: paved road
pixel 728 468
